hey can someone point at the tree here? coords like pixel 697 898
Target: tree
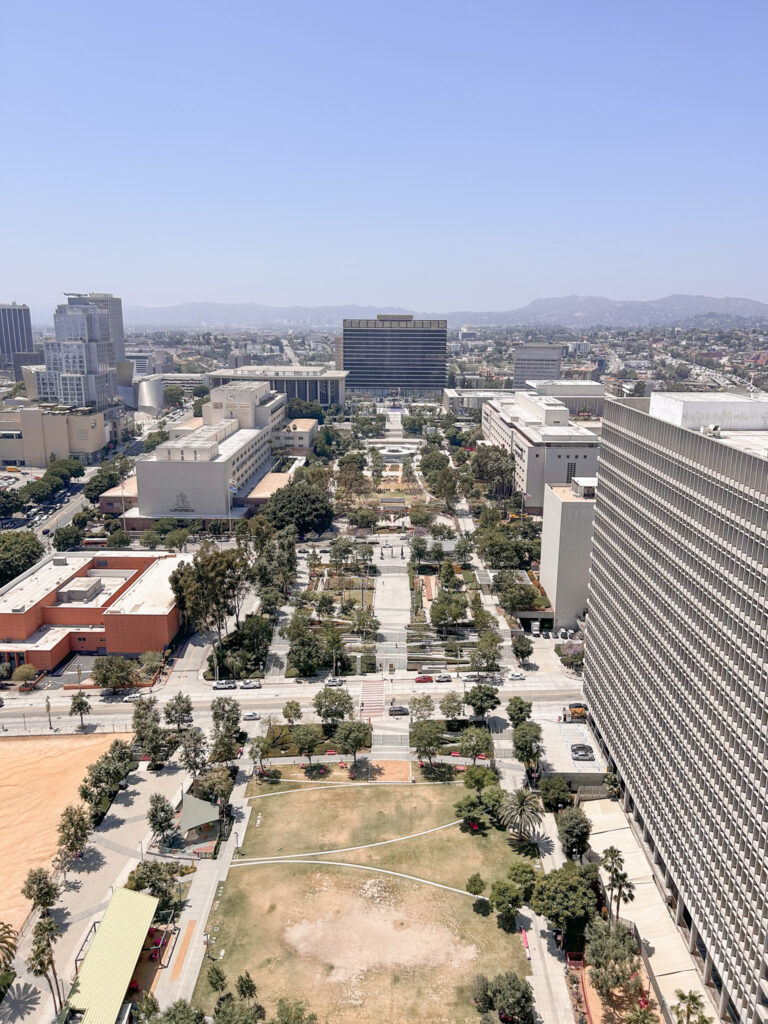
pixel 451 706
pixel 9 939
pixel 24 674
pixel 259 749
pixel 475 741
pixel 524 876
pixel 351 737
pixel 74 829
pixel 522 812
pixel 292 712
pixel 45 933
pixel 245 987
pixel 293 1012
pixel 485 656
pixel 464 548
pixel 194 751
pixel 146 719
pixel 40 965
pixel 563 897
pixel 225 713
pixel 40 889
pixel 689 1008
pixel 522 647
pixel 505 898
pixel 302 505
pixel 173 395
pixel 365 623
pixel 19 549
pixel 475 884
pixel 147 1010
pixel 79 705
pixel 202 589
pixel 150 539
pixel 418 550
pixel 119 539
pixel 625 889
pixel 157 878
pixel 645 1015
pixel 217 979
pixel 181 1012
pixel 217 784
pixel 332 704
pixel 478 777
pixel 224 746
pixel 306 738
pixel 176 539
pixel 612 955
pixel 483 699
pixel 527 743
pixel 113 672
pixel 573 829
pixel 612 785
pixel 160 817
pixel 508 995
pixel 613 864
pixel 427 738
pixel 518 711
pixel 67 537
pixel 422 707
pixel 304 653
pixel 178 709
pixel 555 794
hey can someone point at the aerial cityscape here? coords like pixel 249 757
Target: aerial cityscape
pixel 401 661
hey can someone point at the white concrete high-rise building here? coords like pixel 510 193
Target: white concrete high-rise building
pixel 566 544
pixel 112 307
pixel 536 361
pixel 79 365
pixel 676 669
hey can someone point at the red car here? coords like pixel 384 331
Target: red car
pixel 424 679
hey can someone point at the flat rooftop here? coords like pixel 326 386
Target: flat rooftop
pixel 289 371
pixel 736 419
pixel 35 584
pixel 268 484
pixel 301 424
pixel 46 638
pixel 151 594
pixel 127 489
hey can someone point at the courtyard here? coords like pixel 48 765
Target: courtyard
pixel 364 915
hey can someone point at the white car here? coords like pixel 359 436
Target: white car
pixel 251 716
pixel 250 684
pixel 334 681
pixel 516 675
pixel 444 677
pixel 131 697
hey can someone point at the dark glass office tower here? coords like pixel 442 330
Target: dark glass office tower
pixel 394 355
pixel 15 331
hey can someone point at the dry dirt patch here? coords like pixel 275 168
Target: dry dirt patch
pixel 39 776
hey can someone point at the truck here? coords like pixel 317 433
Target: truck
pixel 536 628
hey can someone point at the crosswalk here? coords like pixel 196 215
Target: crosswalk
pixel 371 698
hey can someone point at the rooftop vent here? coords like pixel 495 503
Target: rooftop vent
pixel 59 560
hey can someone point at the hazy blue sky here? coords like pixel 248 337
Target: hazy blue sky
pixel 435 155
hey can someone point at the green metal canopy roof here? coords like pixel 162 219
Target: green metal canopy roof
pixel 101 985
pixel 195 812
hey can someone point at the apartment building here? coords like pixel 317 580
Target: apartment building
pixel 536 361
pixel 394 355
pixel 676 670
pixel 207 462
pixel 548 447
pixel 566 545
pixel 99 602
pixel 321 384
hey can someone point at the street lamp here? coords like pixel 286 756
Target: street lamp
pixel 48 709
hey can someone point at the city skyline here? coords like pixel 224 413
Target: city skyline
pixel 391 157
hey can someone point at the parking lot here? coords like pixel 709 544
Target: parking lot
pixel 558 738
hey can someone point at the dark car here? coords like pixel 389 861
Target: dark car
pixel 398 709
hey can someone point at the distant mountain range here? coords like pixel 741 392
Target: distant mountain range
pixel 571 311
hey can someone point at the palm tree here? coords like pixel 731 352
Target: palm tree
pixel 9 938
pixel 521 811
pixel 79 705
pixel 625 890
pixel 46 932
pixel 39 964
pixel 689 1008
pixel 613 862
pixel 640 1015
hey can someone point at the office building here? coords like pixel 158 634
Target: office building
pixel 394 355
pixel 566 543
pixel 676 670
pixel 209 462
pixel 321 384
pixel 581 398
pixel 35 436
pixel 15 331
pixel 535 361
pixel 80 367
pixel 112 309
pixel 89 602
pixel 547 446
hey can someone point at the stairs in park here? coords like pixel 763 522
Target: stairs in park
pixel 371 699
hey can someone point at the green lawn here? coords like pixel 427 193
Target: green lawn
pixel 360 946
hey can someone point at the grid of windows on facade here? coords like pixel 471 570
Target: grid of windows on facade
pixel 676 678
pixel 394 355
pixel 15 330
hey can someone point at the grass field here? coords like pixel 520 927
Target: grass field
pixel 362 946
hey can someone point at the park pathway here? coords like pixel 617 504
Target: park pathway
pixel 392 606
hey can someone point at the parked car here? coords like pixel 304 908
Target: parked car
pixel 225 684
pixel 516 675
pixel 545 634
pixel 250 684
pixel 444 677
pixel 398 709
pixel 334 681
pixel 582 752
pixel 472 677
pixel 424 679
pixel 130 697
pixel 251 716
